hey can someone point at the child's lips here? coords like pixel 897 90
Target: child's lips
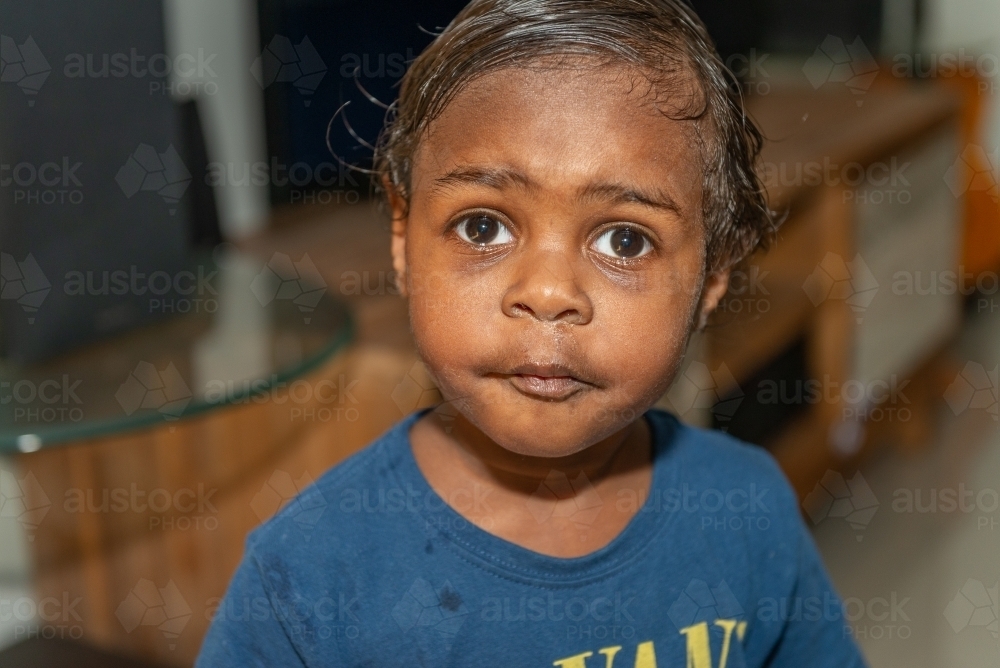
pixel 552 387
pixel 553 382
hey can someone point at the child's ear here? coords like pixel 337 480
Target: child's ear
pixel 398 209
pixel 716 284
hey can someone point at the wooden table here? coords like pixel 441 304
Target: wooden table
pixel 819 147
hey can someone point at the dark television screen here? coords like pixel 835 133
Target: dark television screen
pixel 93 180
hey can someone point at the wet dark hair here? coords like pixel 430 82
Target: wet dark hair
pixel 662 39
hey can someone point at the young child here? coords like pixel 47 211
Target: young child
pixel 570 181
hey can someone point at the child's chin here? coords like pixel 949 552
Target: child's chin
pixel 547 438
pixel 546 450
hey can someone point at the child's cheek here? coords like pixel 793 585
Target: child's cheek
pixel 643 340
pixel 452 317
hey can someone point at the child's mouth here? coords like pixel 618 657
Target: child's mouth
pixel 551 382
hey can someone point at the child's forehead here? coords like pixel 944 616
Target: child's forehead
pixel 612 83
pixel 575 126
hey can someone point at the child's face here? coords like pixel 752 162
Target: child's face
pixel 553 253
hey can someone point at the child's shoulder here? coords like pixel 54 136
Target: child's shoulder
pixel 347 493
pixel 713 459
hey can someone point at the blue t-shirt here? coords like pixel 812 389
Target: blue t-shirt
pixel 369 567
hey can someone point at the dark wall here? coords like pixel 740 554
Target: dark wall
pixel 379 36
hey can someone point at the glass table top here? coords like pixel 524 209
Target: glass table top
pixel 269 324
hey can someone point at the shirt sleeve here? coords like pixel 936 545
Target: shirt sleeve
pixel 815 631
pixel 246 629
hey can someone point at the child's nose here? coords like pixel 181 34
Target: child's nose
pixel 546 288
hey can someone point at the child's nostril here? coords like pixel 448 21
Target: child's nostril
pixel 572 316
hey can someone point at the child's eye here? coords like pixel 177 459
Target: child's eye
pixel 483 230
pixel 623 243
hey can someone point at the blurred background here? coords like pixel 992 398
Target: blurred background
pixel 198 314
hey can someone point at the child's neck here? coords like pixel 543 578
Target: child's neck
pixel 511 495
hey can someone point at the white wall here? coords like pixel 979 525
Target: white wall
pixel 975 26
pixel 233 116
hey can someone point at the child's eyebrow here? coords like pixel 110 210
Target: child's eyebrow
pixel 492 177
pixel 616 193
pixel 500 178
